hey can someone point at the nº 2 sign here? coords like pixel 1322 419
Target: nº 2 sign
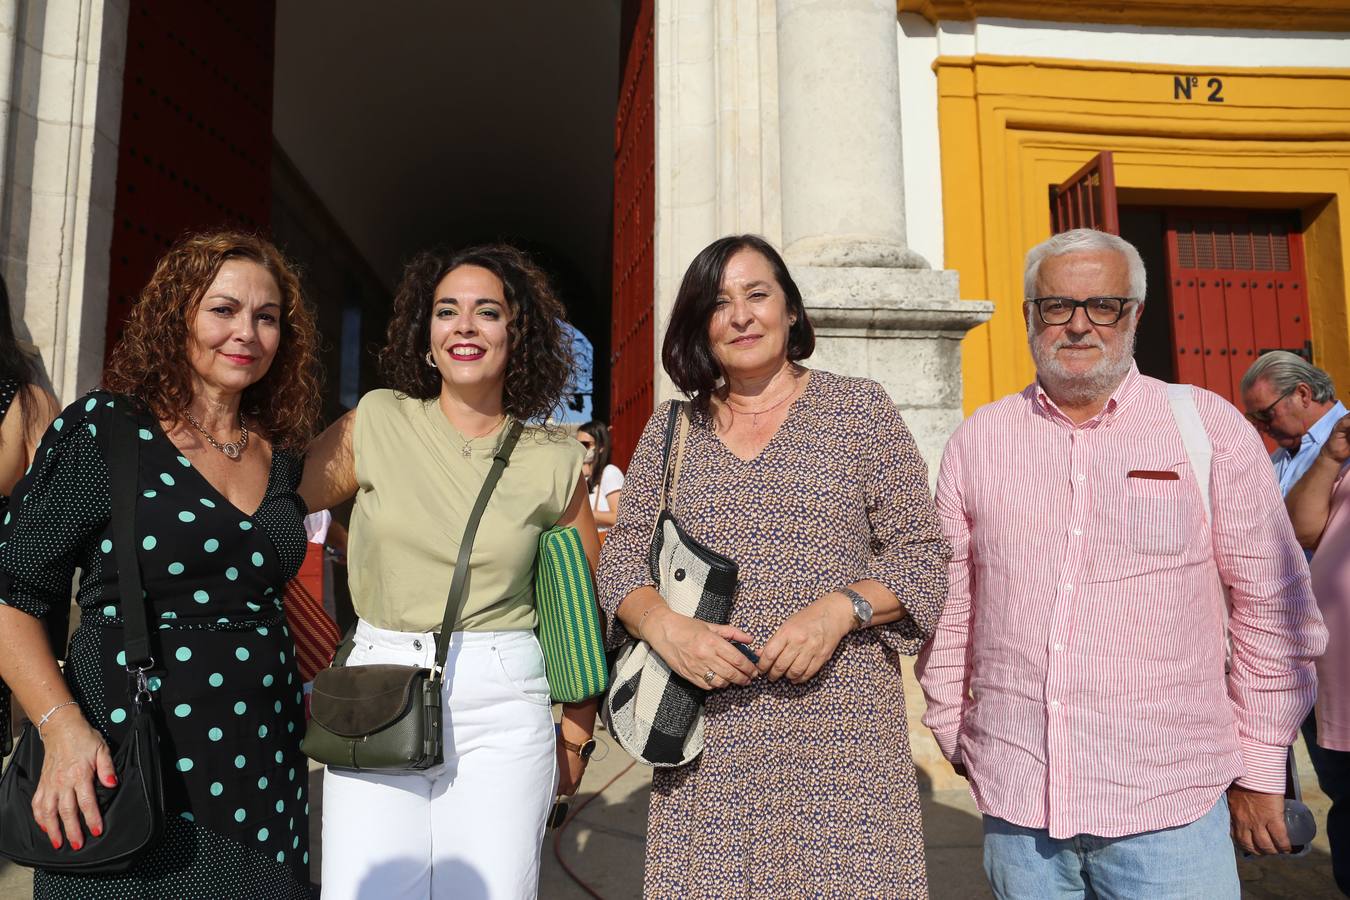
pixel 1187 87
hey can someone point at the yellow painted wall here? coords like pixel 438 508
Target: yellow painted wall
pixel 1011 127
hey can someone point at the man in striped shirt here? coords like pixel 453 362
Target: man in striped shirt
pixel 1077 675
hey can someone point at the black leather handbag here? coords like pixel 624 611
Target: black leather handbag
pixel 133 811
pixel 387 718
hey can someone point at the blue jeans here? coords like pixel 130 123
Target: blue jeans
pixel 1189 862
pixel 1333 777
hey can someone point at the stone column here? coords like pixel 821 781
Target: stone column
pixel 61 114
pixel 879 310
pixel 839 121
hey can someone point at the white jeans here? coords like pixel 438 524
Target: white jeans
pixel 472 827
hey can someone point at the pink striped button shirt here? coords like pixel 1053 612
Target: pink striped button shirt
pixel 1078 668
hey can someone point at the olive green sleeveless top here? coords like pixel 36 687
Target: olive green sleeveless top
pixel 416 488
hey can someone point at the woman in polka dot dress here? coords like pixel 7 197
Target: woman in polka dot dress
pixel 216 367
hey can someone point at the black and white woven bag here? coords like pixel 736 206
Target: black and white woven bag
pixel 654 714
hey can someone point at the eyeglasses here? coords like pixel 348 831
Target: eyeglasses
pixel 1264 416
pixel 1100 310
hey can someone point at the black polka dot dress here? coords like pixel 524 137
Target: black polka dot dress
pixel 225 682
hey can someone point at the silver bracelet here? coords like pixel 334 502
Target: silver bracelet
pixel 51 712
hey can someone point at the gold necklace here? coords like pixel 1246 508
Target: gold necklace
pixel 232 449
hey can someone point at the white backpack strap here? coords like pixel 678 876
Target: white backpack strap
pixel 1199 450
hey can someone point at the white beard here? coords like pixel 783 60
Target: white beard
pixel 1094 385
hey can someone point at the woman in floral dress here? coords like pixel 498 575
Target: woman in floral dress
pixel 811 482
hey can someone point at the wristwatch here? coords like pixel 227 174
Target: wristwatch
pixel 862 609
pixel 583 750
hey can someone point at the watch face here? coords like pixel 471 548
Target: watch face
pixel 862 610
pixel 587 749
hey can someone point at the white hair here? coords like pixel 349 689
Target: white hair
pixel 1084 240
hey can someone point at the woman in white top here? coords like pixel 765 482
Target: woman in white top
pixel 604 481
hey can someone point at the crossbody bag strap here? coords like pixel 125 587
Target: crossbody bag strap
pixel 672 420
pixel 682 434
pixel 124 482
pixel 461 576
pixel 1200 455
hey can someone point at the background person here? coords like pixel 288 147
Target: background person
pixel 813 485
pixel 1077 675
pixel 1319 505
pixel 475 343
pixel 216 365
pixel 1293 403
pixel 26 409
pixel 603 479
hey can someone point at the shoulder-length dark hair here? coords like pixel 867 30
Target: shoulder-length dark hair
pixel 15 363
pixel 539 369
pixel 150 362
pixel 600 431
pixel 686 351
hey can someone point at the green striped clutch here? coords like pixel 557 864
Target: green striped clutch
pixel 569 619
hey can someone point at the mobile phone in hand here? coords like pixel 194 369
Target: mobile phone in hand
pixel 749 654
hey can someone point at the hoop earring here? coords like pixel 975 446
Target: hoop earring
pixel 430 362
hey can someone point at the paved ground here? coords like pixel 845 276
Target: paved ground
pixel 604 845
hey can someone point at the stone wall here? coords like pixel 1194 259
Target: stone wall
pixel 60 108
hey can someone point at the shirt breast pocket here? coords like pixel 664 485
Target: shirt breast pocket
pixel 1159 520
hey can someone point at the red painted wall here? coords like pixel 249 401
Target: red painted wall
pixel 632 329
pixel 195 146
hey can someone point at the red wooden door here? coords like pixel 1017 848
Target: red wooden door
pixel 195 148
pixel 632 332
pixel 1088 198
pixel 1237 288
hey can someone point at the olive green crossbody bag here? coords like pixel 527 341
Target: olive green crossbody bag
pixel 387 718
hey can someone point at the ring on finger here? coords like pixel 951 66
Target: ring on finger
pixel 710 676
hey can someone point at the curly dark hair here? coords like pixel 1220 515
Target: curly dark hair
pixel 540 367
pixel 150 362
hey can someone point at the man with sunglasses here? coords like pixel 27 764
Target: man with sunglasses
pixel 1077 675
pixel 1311 466
pixel 1294 403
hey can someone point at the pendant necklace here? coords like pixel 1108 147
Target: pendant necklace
pixel 467 450
pixel 232 449
pixel 754 414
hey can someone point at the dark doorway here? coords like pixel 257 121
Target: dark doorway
pixel 414 124
pixel 1153 350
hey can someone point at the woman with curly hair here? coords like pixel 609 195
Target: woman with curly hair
pixel 476 341
pixel 216 369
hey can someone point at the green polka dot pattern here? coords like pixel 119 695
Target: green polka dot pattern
pixel 230 723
